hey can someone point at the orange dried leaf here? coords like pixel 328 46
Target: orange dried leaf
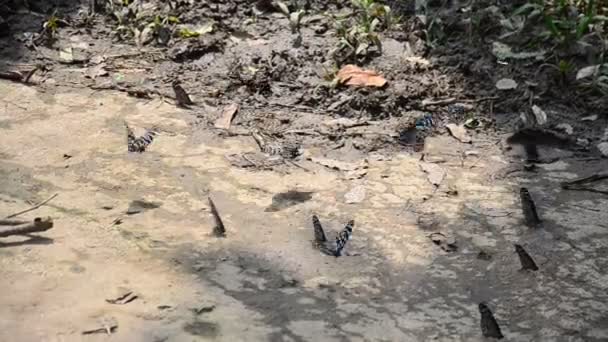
pixel 352 75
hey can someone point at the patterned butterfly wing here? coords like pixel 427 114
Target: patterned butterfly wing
pixel 130 138
pixel 343 237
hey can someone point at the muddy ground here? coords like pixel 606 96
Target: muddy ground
pixel 264 281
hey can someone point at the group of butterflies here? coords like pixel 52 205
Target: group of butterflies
pixel 408 136
pixel 139 144
pixel 489 326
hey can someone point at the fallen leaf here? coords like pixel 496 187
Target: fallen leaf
pixel 415 60
pixel 459 132
pixel 590 118
pixel 506 84
pixel 227 115
pixel 567 128
pixel 588 71
pixel 435 173
pixel 352 75
pixel 343 123
pixel 66 55
pixel 540 115
pixel 504 51
pixel 355 195
pixel 97 71
pixel 603 148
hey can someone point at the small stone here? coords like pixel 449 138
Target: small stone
pixel 355 195
pixel 506 84
pixel 583 142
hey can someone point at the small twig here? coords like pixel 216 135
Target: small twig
pixel 11 75
pixel 38 225
pixel 441 102
pixel 298 165
pixel 483 99
pixel 12 222
pixel 489 215
pixel 34 207
pixel 29 75
pixel 575 185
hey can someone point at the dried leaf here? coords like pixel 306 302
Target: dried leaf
pixel 459 132
pixel 283 7
pixel 566 128
pixel 588 71
pixel 352 75
pixel 97 71
pixel 227 115
pixel 540 115
pixel 603 148
pixel 590 118
pixel 66 55
pixel 503 52
pixel 435 173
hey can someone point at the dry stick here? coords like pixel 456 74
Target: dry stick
pixel 576 184
pixel 34 207
pixel 38 225
pixel 12 222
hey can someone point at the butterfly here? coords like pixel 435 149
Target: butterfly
pixel 344 236
pixel 527 263
pixel 425 122
pixel 181 97
pixel 320 240
pixel 529 208
pixel 139 144
pixel 489 326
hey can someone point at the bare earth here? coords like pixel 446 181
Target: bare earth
pixel 265 282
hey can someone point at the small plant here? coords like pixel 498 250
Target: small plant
pixel 359 35
pixel 294 17
pixel 48 35
pixel 566 21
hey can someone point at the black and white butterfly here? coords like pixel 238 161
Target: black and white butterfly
pixel 139 144
pixel 321 242
pixel 269 145
pixel 344 236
